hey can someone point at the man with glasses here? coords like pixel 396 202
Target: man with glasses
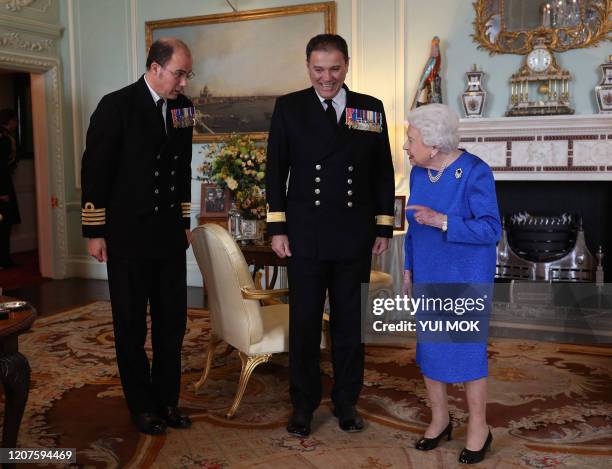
pixel 136 202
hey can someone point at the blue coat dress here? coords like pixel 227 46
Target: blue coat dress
pixel 465 253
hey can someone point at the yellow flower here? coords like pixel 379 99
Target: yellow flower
pixel 231 183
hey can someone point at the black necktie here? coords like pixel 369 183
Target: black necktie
pixel 160 110
pixel 331 113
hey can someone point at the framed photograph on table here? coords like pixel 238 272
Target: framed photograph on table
pixel 215 204
pixel 399 213
pixel 229 91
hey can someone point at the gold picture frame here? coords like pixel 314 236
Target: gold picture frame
pixel 230 51
pixel 591 26
pixel 399 213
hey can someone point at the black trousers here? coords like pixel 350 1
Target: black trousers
pixel 309 279
pixel 161 283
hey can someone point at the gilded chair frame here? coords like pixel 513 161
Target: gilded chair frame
pixel 249 362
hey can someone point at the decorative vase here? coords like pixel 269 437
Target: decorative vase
pixel 474 97
pixel 233 222
pixel 603 91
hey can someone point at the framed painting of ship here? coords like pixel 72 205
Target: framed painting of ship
pixel 243 61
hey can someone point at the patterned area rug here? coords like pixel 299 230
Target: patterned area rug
pixel 550 405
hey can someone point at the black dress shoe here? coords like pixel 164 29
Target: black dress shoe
pixel 349 419
pixel 299 424
pixel 175 417
pixel 149 423
pixel 468 456
pixel 427 444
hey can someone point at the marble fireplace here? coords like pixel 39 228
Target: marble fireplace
pixel 548 167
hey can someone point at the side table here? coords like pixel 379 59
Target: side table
pixel 263 256
pixel 14 371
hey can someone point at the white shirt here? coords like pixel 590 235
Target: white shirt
pixel 338 101
pixel 156 98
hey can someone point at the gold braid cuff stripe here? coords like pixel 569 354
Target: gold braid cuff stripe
pixel 186 208
pixel 386 220
pixel 93 223
pixel 92 216
pixel 89 207
pixel 276 217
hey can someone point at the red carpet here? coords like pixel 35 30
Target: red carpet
pixel 25 273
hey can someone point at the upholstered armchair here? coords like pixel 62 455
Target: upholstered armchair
pixel 236 315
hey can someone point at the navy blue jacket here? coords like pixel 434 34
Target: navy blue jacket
pixel 330 190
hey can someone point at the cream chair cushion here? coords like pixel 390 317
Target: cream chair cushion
pixel 275 320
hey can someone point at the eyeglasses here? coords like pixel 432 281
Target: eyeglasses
pixel 180 74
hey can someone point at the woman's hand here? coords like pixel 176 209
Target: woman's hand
pixel 426 216
pixel 407 284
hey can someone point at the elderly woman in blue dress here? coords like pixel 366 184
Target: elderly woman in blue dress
pixel 453 228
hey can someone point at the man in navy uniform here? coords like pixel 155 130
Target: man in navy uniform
pixel 136 199
pixel 330 194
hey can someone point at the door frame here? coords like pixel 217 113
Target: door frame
pixel 48 134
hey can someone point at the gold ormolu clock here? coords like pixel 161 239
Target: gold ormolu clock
pixel 541 86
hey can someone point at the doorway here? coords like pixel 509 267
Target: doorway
pixel 48 149
pixel 16 98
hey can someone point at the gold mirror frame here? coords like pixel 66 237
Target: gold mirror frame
pixel 558 39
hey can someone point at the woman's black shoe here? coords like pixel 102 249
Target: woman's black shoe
pixel 468 456
pixel 427 444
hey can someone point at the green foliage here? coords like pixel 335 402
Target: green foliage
pixel 239 164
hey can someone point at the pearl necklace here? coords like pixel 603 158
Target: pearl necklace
pixel 435 178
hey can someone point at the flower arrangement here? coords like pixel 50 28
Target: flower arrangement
pixel 238 163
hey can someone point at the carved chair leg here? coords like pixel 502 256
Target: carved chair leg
pixel 249 363
pixel 212 345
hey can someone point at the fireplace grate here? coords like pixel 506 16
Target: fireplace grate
pixel 546 248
